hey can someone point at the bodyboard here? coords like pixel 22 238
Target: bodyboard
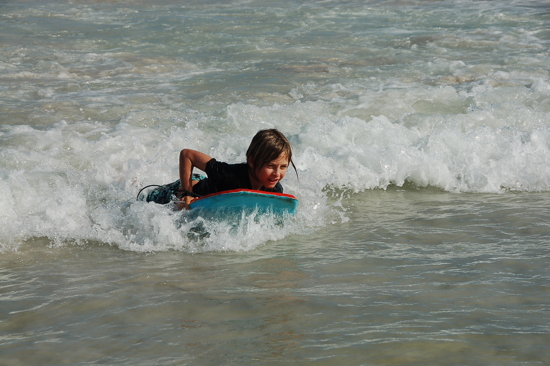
pixel 247 200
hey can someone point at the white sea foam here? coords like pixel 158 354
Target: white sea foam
pixel 90 117
pixel 83 188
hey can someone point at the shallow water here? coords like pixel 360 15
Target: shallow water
pixel 421 135
pixel 413 277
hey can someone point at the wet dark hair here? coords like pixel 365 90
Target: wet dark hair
pixel 266 146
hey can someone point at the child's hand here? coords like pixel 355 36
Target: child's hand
pixel 184 202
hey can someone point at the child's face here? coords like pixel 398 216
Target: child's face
pixel 273 172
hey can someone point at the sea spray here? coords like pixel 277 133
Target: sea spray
pixel 371 98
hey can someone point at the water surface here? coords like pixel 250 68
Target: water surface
pixel 421 136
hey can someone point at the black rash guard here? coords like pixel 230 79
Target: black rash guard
pixel 225 177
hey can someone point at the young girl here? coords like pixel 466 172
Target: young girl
pixel 267 161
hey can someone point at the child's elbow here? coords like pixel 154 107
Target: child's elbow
pixel 184 153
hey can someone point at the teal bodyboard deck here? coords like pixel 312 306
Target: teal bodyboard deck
pixel 246 200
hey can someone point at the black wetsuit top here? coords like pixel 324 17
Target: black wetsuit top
pixel 221 177
pixel 224 177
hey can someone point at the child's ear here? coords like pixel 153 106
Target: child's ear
pixel 249 162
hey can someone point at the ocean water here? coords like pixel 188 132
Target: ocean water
pixel 421 134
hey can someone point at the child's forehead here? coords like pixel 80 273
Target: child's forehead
pixel 281 158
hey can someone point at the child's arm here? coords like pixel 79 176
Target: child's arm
pixel 188 160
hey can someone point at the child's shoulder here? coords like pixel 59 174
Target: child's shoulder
pixel 220 170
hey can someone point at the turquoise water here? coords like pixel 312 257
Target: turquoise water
pixel 421 136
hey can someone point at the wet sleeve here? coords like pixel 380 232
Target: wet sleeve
pixel 210 167
pixel 223 176
pixel 217 171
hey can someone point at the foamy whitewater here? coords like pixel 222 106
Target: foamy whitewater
pixel 421 134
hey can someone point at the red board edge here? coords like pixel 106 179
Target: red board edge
pixel 247 190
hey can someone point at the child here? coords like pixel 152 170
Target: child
pixel 267 161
